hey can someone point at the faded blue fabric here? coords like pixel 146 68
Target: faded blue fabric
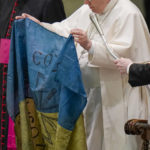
pixel 44 66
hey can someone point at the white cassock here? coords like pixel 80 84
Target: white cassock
pixel 110 106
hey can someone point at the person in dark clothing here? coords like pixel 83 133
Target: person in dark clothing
pixel 147 12
pixel 139 74
pixel 46 11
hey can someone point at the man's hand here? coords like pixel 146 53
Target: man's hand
pixel 122 64
pixel 81 37
pixel 24 15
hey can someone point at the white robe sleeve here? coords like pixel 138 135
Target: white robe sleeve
pixel 77 20
pixel 130 39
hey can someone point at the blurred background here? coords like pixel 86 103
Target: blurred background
pixel 144 5
pixel 72 5
pixel 140 4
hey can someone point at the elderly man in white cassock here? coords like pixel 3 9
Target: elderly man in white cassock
pixel 111 100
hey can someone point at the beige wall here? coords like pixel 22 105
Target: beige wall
pixel 71 5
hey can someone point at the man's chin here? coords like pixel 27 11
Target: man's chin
pixel 93 10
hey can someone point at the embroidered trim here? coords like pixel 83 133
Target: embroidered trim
pixel 3 107
pixel 8 34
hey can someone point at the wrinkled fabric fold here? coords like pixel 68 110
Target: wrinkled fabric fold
pixel 43 66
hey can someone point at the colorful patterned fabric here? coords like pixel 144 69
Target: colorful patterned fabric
pixel 44 67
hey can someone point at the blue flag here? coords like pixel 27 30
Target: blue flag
pixel 44 66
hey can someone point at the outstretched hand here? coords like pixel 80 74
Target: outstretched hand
pixel 80 37
pixel 24 15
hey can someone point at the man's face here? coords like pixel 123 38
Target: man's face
pixel 97 6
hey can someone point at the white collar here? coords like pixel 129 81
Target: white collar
pixel 109 6
pixel 101 17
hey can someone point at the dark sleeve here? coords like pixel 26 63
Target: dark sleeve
pixel 53 11
pixel 139 74
pixel 5 14
pixel 45 10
